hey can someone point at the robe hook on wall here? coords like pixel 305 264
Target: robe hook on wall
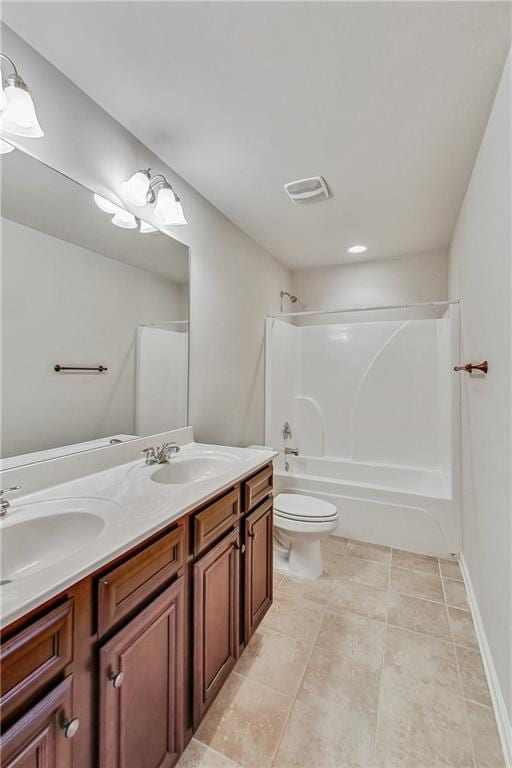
pixel 470 367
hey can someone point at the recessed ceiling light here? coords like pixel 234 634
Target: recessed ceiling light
pixel 357 249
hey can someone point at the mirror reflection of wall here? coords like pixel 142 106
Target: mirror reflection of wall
pixel 78 291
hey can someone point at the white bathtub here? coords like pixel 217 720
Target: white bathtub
pixel 405 507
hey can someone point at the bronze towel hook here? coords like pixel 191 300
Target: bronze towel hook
pixel 470 367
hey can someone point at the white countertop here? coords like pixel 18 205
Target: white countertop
pixel 131 506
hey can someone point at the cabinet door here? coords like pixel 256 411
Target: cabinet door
pixel 42 737
pixel 258 566
pixel 216 620
pixel 141 687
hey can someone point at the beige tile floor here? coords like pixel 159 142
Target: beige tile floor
pixel 375 665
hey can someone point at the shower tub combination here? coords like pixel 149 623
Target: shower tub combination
pixel 373 409
pixel 405 507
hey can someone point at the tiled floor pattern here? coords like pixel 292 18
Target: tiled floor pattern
pixel 375 665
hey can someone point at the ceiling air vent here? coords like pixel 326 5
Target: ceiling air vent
pixel 310 190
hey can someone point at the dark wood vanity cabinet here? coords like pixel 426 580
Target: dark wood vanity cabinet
pixel 41 738
pixel 258 558
pixel 119 670
pixel 216 620
pixel 141 687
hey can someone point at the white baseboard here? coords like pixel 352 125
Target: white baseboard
pixel 498 701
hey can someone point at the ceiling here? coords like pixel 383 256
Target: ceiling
pixel 41 198
pixel 388 101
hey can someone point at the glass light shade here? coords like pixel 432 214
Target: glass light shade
pixel 106 206
pixel 125 220
pixel 5 147
pixel 168 209
pixel 180 216
pixel 136 188
pixel 19 115
pixel 146 228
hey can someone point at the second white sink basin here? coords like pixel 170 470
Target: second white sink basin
pixel 192 469
pixel 35 536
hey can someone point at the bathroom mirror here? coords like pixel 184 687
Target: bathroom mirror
pixel 94 320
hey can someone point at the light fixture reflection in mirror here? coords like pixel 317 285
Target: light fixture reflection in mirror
pixel 5 147
pixel 125 220
pixel 105 205
pixel 147 229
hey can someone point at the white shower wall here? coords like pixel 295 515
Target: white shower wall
pixel 364 391
pixel 373 408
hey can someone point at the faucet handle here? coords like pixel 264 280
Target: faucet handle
pixel 150 455
pixel 3 491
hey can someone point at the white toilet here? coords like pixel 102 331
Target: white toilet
pixel 299 523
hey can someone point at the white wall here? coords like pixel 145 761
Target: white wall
pixel 64 304
pixel 234 282
pixel 409 279
pixel 480 275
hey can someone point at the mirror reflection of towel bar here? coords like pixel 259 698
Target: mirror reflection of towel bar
pixel 62 368
pixel 470 367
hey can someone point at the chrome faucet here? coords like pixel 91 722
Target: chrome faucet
pixel 4 503
pixel 291 451
pixel 161 455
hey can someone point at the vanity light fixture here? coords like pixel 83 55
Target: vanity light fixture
pixel 18 113
pixel 5 147
pixel 135 190
pixel 357 249
pixel 142 188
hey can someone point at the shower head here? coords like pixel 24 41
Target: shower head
pixel 292 298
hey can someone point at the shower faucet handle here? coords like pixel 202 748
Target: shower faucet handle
pixel 287 432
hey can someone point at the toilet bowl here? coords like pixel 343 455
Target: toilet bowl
pixel 300 522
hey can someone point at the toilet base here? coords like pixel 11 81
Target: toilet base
pixel 302 559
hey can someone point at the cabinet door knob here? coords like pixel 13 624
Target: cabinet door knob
pixel 70 727
pixel 240 547
pixel 116 680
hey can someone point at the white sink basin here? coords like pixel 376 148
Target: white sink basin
pixel 37 535
pixel 192 469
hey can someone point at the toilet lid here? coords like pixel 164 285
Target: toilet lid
pixel 297 506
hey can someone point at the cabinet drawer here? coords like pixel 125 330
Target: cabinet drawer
pixel 39 737
pixel 258 488
pixel 35 656
pixel 212 522
pixel 125 587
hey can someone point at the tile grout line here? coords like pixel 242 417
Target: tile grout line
pixel 459 676
pixel 294 698
pixel 384 646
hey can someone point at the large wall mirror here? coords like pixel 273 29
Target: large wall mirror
pixel 79 293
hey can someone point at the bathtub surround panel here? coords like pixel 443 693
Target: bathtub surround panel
pixel 481 276
pixel 363 391
pixel 373 410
